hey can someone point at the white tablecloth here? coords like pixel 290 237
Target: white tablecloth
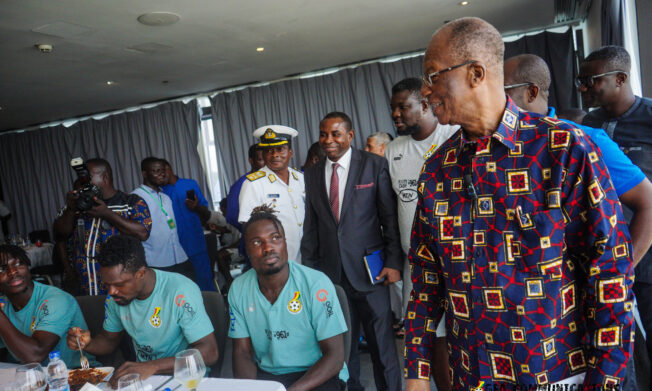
pixel 212 383
pixel 156 383
pixel 7 373
pixel 40 256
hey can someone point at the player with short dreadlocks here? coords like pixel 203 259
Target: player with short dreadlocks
pixel 286 321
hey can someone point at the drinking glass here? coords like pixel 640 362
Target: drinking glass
pixel 189 368
pixel 130 382
pixel 31 377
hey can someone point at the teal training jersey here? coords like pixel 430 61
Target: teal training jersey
pixel 165 323
pixel 49 309
pixel 286 335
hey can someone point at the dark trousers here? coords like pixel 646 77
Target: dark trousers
pixel 373 311
pixel 184 268
pixel 333 384
pixel 643 292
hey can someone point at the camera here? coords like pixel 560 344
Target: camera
pixel 87 191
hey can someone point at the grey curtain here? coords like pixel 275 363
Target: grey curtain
pixel 612 21
pixel 363 93
pixel 557 50
pixel 35 166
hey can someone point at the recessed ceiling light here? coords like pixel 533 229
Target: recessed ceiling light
pixel 158 18
pixel 464 3
pixel 260 49
pixel 110 83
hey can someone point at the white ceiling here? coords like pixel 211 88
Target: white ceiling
pixel 213 45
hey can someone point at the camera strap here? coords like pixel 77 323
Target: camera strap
pixel 158 200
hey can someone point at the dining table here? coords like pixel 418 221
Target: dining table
pixel 161 382
pixel 39 255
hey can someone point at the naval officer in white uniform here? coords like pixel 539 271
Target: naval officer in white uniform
pixel 278 185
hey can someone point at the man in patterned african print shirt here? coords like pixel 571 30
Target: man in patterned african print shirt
pixel 518 236
pixel 116 212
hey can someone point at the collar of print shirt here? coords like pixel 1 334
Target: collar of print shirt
pixel 506 131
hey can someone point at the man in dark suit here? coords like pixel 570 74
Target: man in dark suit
pixel 351 213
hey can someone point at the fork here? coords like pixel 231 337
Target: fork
pixel 82 359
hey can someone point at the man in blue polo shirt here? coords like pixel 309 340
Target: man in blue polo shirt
pixel 162 312
pixel 162 249
pixel 286 319
pixel 34 318
pixel 191 211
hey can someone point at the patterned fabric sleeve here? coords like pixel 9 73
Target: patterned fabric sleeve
pixel 598 241
pixel 425 308
pixel 141 212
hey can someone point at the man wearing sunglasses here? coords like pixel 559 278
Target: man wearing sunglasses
pixel 604 83
pixel 518 237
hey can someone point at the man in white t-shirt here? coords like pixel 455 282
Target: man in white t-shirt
pixel 419 136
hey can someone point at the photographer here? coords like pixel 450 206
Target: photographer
pixel 94 213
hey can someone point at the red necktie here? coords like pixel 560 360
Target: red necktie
pixel 335 193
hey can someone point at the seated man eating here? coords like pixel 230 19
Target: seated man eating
pixel 163 312
pixel 286 320
pixel 34 317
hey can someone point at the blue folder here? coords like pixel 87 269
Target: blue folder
pixel 374 263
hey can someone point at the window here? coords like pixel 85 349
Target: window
pixel 209 155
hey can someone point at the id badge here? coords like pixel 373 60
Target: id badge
pixel 171 223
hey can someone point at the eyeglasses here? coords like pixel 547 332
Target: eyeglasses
pixel 428 79
pixel 510 86
pixel 589 81
pixel 13 264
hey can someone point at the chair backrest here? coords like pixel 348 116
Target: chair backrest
pixel 216 310
pixel 92 308
pixel 344 303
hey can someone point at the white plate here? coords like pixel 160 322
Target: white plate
pixel 109 371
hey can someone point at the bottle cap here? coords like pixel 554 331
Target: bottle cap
pixel 54 354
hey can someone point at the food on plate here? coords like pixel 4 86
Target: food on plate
pixel 78 377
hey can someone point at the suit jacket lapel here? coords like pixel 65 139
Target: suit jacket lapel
pixel 351 180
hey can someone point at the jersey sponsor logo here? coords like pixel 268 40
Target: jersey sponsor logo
pixel 155 320
pixel 322 295
pixel 328 307
pixel 144 352
pixel 279 335
pixel 408 195
pixel 232 326
pixel 273 195
pixel 44 308
pixel 179 300
pixel 295 306
pixel 399 157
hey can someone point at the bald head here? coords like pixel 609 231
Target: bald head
pixel 528 79
pixel 472 38
pixel 463 66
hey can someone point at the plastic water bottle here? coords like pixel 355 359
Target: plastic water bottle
pixel 57 373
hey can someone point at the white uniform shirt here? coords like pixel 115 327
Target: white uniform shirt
pixel 264 187
pixel 406 157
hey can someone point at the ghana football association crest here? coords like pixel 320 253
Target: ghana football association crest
pixel 294 306
pixel 31 326
pixel 155 320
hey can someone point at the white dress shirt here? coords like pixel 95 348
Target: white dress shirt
pixel 342 173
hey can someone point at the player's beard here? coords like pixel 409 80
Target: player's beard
pixel 409 129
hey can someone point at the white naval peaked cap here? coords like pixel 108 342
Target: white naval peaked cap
pixel 274 135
